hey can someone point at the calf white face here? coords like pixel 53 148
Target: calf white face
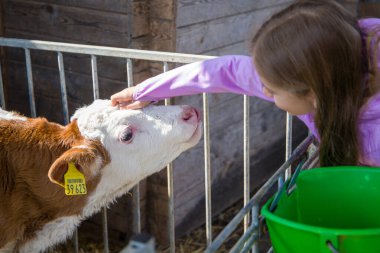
pixel 139 142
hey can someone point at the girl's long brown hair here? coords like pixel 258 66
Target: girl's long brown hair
pixel 316 45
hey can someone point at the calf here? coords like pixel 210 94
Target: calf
pixel 107 149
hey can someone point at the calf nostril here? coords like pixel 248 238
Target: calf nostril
pixel 189 113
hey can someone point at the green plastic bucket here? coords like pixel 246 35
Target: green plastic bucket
pixel 335 209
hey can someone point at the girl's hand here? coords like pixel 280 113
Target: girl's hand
pixel 124 100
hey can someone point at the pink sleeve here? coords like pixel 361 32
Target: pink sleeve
pixel 234 73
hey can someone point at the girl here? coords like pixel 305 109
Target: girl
pixel 313 59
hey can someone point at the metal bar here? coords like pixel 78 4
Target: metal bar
pixel 62 79
pixel 314 163
pixel 246 159
pixel 76 243
pixel 129 73
pixel 249 243
pixel 29 74
pixel 61 68
pixel 95 82
pixel 103 51
pixel 105 230
pixel 240 243
pixel 258 195
pixel 95 88
pixel 289 137
pixel 2 97
pixel 206 136
pixel 136 189
pixel 310 162
pixel 136 209
pixel 255 222
pixel 171 221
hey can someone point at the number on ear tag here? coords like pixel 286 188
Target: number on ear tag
pixel 75 183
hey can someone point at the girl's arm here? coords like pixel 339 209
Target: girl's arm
pixel 235 74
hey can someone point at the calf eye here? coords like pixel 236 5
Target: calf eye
pixel 127 135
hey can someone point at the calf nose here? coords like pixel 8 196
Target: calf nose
pixel 190 114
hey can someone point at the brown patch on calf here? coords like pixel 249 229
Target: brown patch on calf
pixel 28 198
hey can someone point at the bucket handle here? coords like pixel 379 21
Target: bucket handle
pixel 290 187
pixel 331 247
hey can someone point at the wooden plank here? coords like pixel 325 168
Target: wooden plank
pixel 240 47
pixel 69 23
pixel 163 10
pixel 118 6
pixel 163 35
pixel 218 33
pixel 1 18
pixel 214 9
pixel 369 10
pixel 199 11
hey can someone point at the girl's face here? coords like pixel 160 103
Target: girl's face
pixel 289 101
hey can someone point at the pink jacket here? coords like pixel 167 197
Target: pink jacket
pixel 237 74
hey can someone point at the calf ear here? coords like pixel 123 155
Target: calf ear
pixel 89 158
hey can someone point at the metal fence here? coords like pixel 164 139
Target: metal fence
pixel 250 212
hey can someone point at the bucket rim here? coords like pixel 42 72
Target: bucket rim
pixel 317 229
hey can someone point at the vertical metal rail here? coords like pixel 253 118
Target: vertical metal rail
pixel 255 223
pixel 246 158
pixel 95 89
pixel 206 134
pixel 62 79
pixel 171 221
pixel 29 75
pixel 289 137
pixel 136 188
pixel 94 72
pixel 288 150
pixel 2 97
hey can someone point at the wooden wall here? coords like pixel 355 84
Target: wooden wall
pixel 370 8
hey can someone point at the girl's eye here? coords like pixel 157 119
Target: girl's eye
pixel 127 135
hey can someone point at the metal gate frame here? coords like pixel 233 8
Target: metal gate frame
pixel 250 211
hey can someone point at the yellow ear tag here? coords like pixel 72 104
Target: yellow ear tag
pixel 75 184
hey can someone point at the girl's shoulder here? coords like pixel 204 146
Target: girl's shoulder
pixel 369 131
pixel 368 24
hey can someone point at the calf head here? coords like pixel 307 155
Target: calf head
pixel 137 143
